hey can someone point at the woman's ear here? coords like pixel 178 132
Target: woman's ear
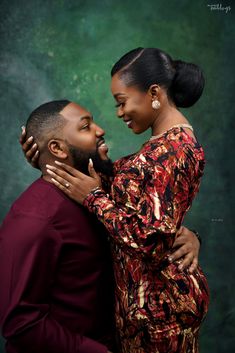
pixel 58 148
pixel 154 91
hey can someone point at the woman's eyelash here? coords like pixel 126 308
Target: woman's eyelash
pixel 118 105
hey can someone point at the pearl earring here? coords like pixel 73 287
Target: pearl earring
pixel 156 104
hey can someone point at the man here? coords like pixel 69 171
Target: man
pixel 56 278
pixel 55 266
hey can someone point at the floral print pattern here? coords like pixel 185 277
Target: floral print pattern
pixel 159 309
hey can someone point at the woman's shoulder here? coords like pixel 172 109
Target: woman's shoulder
pixel 173 143
pixel 173 149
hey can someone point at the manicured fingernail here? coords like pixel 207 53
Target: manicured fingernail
pixel 57 162
pixel 91 162
pixel 170 259
pixel 35 145
pixel 37 153
pixel 50 172
pixel 30 139
pixel 23 128
pixel 50 166
pixel 180 267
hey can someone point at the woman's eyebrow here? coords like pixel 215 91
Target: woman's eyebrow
pixel 118 94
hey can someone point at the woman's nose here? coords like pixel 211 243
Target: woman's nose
pixel 120 112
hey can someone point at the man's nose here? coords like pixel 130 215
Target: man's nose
pixel 99 131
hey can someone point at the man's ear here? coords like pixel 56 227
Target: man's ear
pixel 154 91
pixel 58 148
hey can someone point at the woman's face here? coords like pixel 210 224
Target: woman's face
pixel 133 105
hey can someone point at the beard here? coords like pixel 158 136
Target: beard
pixel 81 159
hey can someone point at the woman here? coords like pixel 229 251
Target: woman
pixel 159 308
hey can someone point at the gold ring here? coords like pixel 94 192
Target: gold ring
pixel 67 185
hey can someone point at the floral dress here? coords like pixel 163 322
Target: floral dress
pixel 159 309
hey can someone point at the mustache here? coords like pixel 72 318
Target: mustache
pixel 100 142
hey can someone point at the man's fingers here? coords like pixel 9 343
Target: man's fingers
pixel 186 250
pixel 176 255
pixel 179 232
pixel 181 240
pixel 186 262
pixel 193 265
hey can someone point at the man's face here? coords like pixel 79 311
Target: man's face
pixel 85 140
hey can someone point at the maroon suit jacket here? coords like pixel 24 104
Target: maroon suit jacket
pixel 56 284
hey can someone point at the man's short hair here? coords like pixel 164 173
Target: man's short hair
pixel 46 121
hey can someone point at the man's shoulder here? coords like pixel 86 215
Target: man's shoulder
pixel 44 205
pixel 42 200
pixel 43 211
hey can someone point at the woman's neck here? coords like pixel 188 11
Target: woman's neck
pixel 168 117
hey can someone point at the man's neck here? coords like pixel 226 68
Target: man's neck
pixel 45 175
pixel 47 178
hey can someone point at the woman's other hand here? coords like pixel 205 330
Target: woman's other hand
pixel 29 148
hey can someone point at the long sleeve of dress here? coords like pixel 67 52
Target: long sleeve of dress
pixel 141 213
pixel 27 270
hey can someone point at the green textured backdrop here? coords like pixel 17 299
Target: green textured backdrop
pixel 65 49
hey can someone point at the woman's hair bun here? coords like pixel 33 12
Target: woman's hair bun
pixel 187 84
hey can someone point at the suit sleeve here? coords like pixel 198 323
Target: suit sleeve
pixel 29 251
